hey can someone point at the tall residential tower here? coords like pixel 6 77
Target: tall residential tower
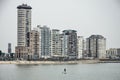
pixel 23 24
pixel 70 44
pixel 55 43
pixel 44 41
pixel 80 46
pixel 34 45
pixel 96 46
pixel 23 31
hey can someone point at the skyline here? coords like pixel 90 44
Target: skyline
pixel 79 15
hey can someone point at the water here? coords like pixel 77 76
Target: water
pixel 104 71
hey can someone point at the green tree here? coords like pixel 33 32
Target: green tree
pixel 11 55
pixel 0 52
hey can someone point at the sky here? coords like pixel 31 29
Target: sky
pixel 88 17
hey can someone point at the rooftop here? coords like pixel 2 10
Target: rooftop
pixel 96 36
pixel 24 6
pixel 69 30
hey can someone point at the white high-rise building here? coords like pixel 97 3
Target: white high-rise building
pixel 61 45
pixel 23 24
pixel 80 46
pixel 55 43
pixel 22 49
pixel 45 41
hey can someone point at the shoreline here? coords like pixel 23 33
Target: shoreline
pixel 50 62
pixel 58 62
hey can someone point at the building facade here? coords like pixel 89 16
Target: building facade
pixel 113 53
pixel 80 45
pixel 61 45
pixel 70 44
pixel 55 43
pixel 22 52
pixel 23 31
pixel 96 46
pixel 45 41
pixel 23 24
pixel 9 48
pixel 34 45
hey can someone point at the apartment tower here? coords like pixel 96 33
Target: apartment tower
pixel 70 44
pixel 45 41
pixel 96 46
pixel 23 24
pixel 23 31
pixel 55 43
pixel 80 46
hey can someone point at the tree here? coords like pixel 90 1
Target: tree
pixel 11 55
pixel 0 52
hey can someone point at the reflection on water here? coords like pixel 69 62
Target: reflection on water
pixel 108 71
pixel 26 65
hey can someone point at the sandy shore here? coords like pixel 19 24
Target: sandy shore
pixel 51 62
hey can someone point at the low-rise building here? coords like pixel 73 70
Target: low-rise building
pixel 113 53
pixel 22 52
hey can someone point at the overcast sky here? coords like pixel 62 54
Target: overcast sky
pixel 86 16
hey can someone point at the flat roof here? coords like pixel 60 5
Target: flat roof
pixel 24 6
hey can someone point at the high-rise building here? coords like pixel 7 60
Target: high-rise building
pixel 84 49
pixel 23 31
pixel 34 45
pixel 70 44
pixel 9 48
pixel 45 41
pixel 96 46
pixel 55 43
pixel 23 24
pixel 61 44
pixel 80 46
